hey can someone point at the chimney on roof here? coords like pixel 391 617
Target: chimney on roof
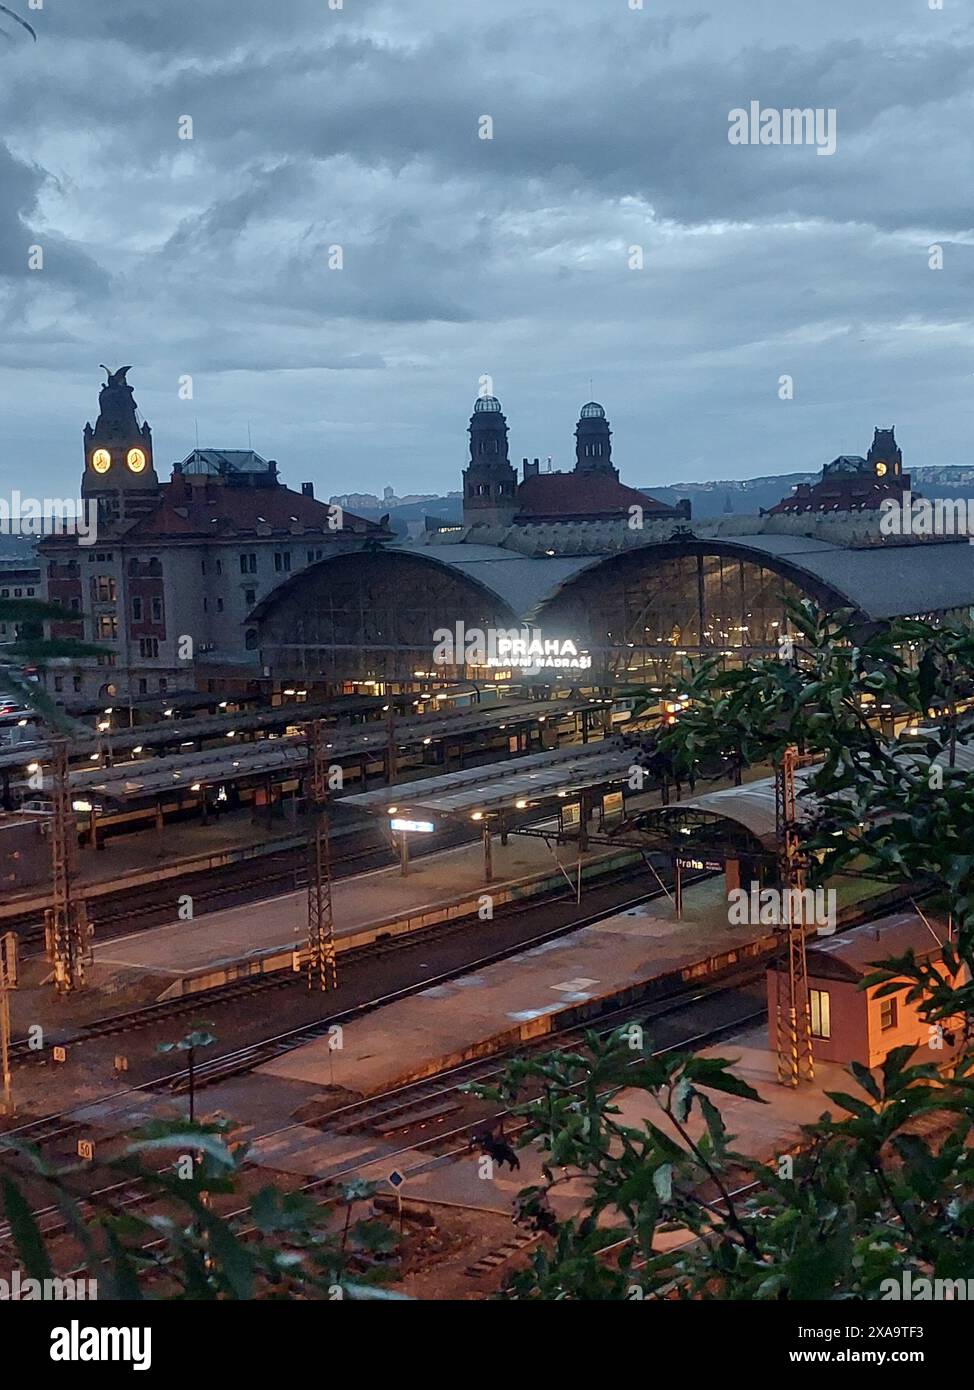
pixel 307 489
pixel 530 469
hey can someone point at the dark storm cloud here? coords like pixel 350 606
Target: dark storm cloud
pixel 358 128
pixel 64 263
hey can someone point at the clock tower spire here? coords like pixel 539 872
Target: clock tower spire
pixel 119 474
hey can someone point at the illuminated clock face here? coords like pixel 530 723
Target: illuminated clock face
pixel 880 470
pixel 135 460
pixel 101 460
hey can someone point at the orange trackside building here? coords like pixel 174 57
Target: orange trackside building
pixel 853 1025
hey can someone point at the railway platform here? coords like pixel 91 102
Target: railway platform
pixel 189 955
pixel 561 982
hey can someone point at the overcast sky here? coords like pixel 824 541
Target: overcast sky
pixel 359 127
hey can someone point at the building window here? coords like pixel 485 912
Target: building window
pixel 219 605
pixel 248 563
pixel 250 597
pixel 137 609
pixel 219 566
pixel 282 561
pixel 821 1013
pixel 107 628
pixel 163 685
pixel 143 686
pixel 314 555
pixel 157 610
pixel 58 682
pixel 77 684
pixel 76 605
pixel 888 1014
pixel 149 646
pixel 203 566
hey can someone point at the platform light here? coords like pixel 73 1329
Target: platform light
pixel 81 806
pixel 404 827
pixel 137 748
pixel 103 725
pixel 195 787
pixel 477 815
pixel 231 733
pixel 520 805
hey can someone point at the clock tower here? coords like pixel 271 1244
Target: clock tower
pixel 119 474
pixel 885 457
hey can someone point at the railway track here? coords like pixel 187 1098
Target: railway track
pixel 246 1058
pixel 245 882
pixel 398 1111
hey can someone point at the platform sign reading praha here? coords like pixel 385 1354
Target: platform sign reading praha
pixel 708 865
pixel 424 827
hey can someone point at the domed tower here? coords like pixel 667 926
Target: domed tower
pixel 119 474
pixel 593 442
pixel 489 480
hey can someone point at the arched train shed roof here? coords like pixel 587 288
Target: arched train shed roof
pixel 878 582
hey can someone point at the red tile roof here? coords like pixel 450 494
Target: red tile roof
pixel 200 510
pixel 557 495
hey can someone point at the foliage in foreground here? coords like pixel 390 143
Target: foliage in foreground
pixel 178 1244
pixel 868 1195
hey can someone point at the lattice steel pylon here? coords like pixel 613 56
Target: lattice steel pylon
pixel 322 971
pixel 793 1022
pixel 68 929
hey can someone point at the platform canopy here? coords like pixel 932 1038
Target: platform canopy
pixel 540 779
pixel 753 805
pixel 274 755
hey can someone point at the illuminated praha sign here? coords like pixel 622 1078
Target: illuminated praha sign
pixel 539 653
pixel 425 827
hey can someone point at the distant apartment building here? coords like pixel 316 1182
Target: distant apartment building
pixel 167 587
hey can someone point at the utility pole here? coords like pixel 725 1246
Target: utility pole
pixel 68 932
pixel 322 972
pixel 8 981
pixel 793 1023
pixel 392 753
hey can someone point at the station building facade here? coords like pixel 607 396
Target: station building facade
pixel 579 557
pixel 174 567
pixel 641 614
